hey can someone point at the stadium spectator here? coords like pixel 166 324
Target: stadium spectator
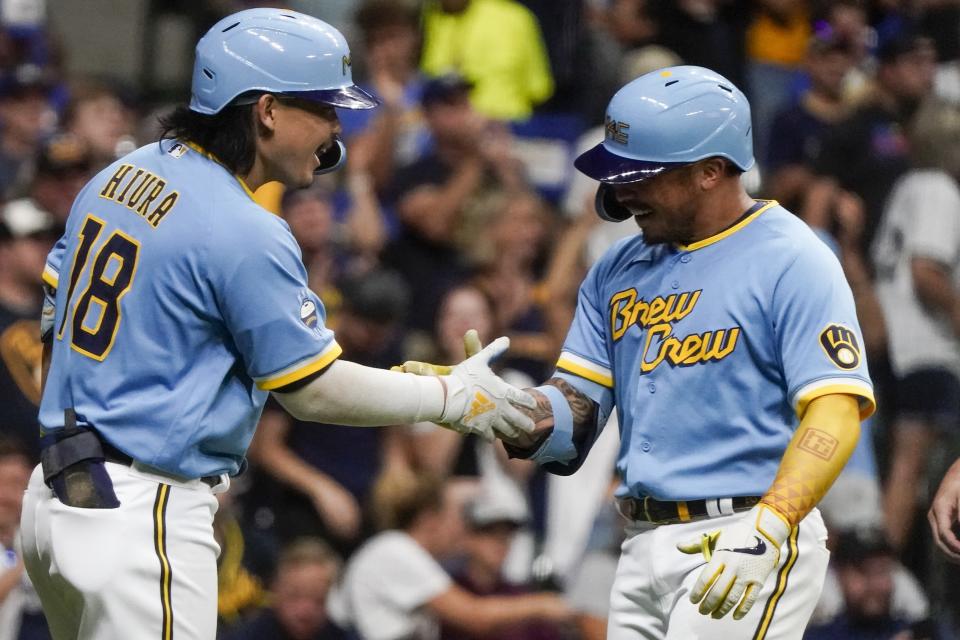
pixel 867 152
pixel 509 239
pixel 917 254
pixel 492 522
pixel 797 130
pixel 395 134
pixel 334 246
pixel 707 33
pixel 26 235
pixel 26 117
pixel 864 564
pixel 62 167
pixel 497 45
pixel 21 617
pixel 394 587
pixel 97 115
pixel 776 42
pixel 306 571
pixel 431 196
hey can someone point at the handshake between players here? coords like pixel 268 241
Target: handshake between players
pixel 477 400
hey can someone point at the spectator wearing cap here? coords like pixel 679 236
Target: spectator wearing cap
pixel 492 523
pixel 865 153
pixel 321 474
pixel 394 587
pixel 865 566
pixel 26 236
pixel 470 157
pixel 26 117
pixel 497 45
pixel 62 168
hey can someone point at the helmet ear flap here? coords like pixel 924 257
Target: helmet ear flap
pixel 607 206
pixel 333 158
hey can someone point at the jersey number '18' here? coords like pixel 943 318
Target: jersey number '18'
pixel 95 317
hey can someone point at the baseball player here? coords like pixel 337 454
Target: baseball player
pixel 725 336
pixel 179 304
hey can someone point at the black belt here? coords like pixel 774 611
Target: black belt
pixel 112 454
pixel 659 512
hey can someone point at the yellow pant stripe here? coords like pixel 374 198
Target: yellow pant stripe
pixel 683 512
pixel 160 544
pixel 792 553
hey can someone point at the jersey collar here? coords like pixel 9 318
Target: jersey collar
pixel 748 217
pixel 207 154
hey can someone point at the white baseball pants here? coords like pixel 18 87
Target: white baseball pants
pixel 147 569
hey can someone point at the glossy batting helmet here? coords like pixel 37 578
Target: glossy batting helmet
pixel 275 51
pixel 664 120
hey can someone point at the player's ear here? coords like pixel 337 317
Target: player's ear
pixel 710 172
pixel 265 112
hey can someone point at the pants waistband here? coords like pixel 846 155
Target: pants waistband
pixel 648 509
pixel 112 454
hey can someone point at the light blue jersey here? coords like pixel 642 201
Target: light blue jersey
pixel 710 352
pixel 180 303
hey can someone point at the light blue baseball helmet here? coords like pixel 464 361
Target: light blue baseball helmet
pixel 667 119
pixel 274 51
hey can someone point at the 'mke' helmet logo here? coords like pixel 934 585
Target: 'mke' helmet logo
pixel 841 346
pixel 344 64
pixel 617 131
pixel 308 313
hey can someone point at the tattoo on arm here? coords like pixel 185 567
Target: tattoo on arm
pixel 583 409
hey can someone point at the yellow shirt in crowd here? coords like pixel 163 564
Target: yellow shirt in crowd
pixel 496 45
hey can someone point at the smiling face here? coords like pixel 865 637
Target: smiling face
pixel 664 207
pixel 294 134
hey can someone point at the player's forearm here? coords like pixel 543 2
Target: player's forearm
pixel 352 394
pixel 583 411
pixel 815 456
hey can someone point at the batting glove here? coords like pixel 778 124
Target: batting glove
pixel 739 559
pixel 471 345
pixel 477 401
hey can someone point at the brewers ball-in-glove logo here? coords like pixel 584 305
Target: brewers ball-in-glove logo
pixel 841 346
pixel 308 313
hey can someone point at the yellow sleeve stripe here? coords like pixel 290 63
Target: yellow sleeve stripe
pixel 862 392
pixel 301 371
pixel 579 369
pixel 50 276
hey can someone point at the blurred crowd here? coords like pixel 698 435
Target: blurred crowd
pixel 459 208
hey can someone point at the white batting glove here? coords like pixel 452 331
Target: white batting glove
pixel 480 402
pixel 739 558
